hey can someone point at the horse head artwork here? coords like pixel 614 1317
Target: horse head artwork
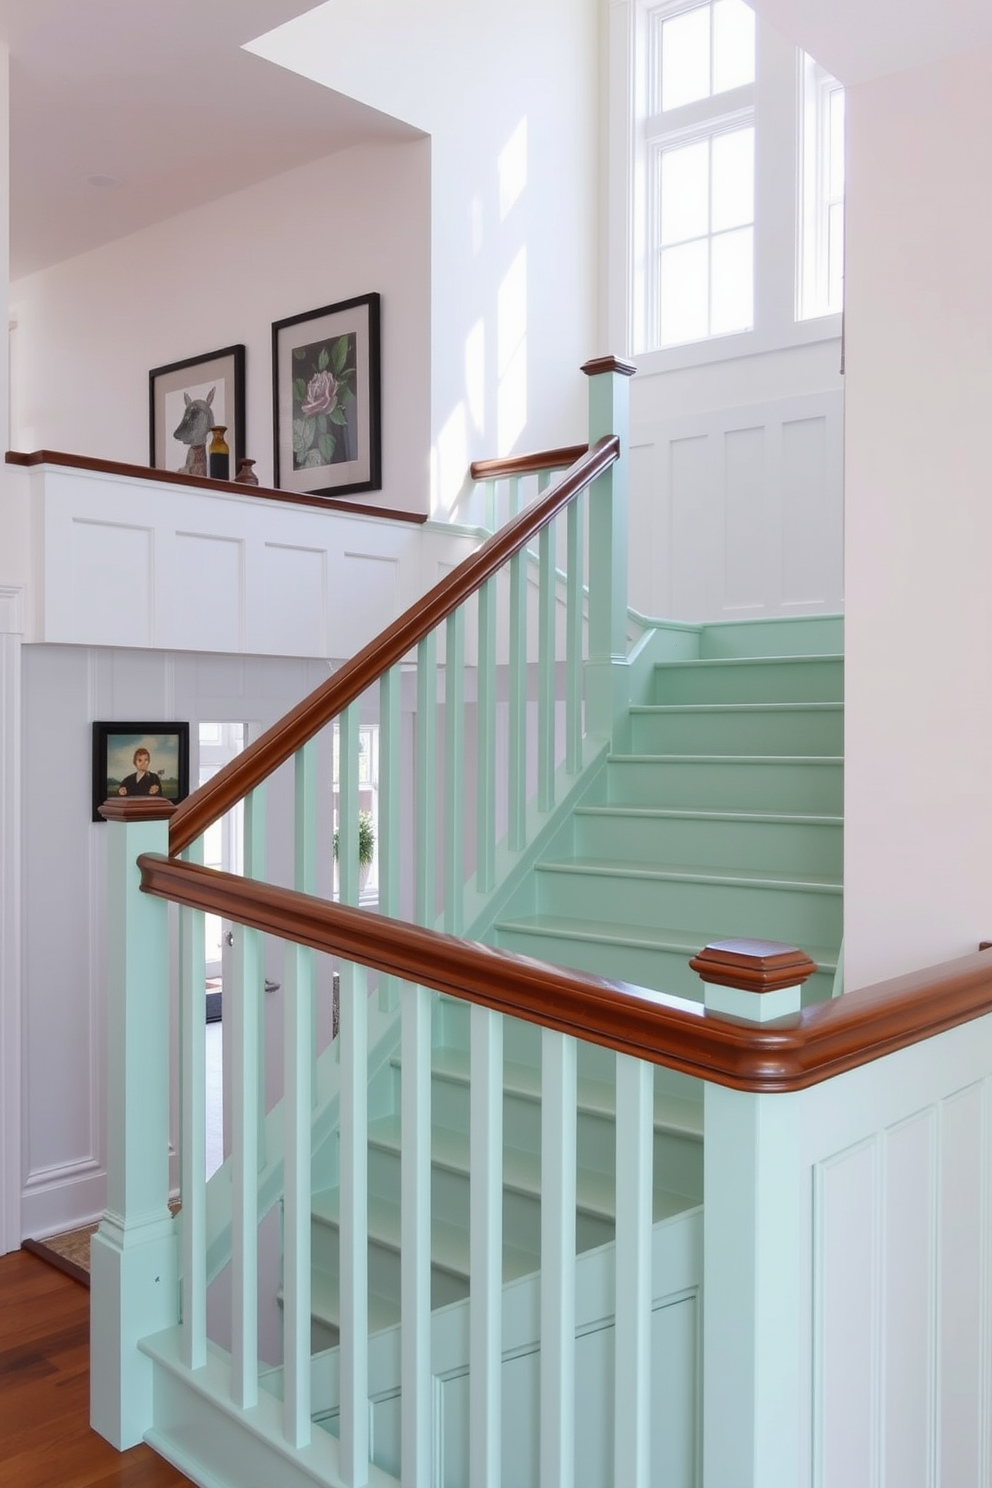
pixel 193 428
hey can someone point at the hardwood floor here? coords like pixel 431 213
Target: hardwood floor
pixel 45 1438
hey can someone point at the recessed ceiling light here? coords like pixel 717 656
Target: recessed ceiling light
pixel 102 182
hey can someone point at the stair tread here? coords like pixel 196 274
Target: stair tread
pixel 690 813
pixel 727 759
pixel 645 937
pixel 521 1170
pixel 735 661
pixel 675 872
pixel 664 709
pixel 449 1242
pixel 598 1097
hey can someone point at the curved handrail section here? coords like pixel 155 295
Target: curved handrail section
pixel 790 1054
pixel 279 743
pixel 206 483
pixel 556 459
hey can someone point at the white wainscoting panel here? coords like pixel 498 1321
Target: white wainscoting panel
pixel 901 1268
pixel 121 561
pixel 738 512
pixel 111 569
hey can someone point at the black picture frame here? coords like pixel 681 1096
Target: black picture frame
pixel 326 399
pixel 114 747
pixel 217 376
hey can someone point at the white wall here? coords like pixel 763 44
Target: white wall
pixel 509 96
pixel 90 329
pixel 918 871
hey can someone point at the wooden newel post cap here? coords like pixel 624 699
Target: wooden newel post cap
pixel 753 965
pixel 607 364
pixel 137 809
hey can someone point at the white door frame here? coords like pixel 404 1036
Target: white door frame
pixel 11 865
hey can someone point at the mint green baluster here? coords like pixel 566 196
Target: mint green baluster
pixel 632 1368
pixel 299 1057
pixel 491 505
pixel 246 1012
pixel 485 714
pixel 388 836
pixel 426 788
pixel 574 530
pixel 547 595
pixel 607 698
pixel 353 1226
pixel 415 1248
pixel 485 1248
pixel 454 772
pixel 517 785
pixel 133 1258
pixel 193 1107
pixel 513 496
pixel 558 1181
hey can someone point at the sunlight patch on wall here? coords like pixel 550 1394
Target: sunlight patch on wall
pixel 512 167
pixel 475 375
pixel 449 463
pixel 511 354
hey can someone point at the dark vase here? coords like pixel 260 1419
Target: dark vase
pixel 246 475
pixel 219 454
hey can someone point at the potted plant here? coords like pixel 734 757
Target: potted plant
pixel 366 846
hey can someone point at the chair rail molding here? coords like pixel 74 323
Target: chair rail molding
pixel 11 636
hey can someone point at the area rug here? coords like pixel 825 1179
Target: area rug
pixel 70 1251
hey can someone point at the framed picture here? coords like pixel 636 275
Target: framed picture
pixel 186 399
pixel 139 759
pixel 325 393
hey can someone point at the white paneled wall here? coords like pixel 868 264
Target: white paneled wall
pixel 738 512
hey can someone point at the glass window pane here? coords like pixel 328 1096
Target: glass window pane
pixel 835 137
pixel 733 282
pixel 685 58
pixel 733 179
pixel 733 45
pixel 683 293
pixel 685 184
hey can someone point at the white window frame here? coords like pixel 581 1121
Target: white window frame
pixel 776 326
pixel 816 201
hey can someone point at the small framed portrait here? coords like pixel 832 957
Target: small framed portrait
pixel 187 399
pixel 140 759
pixel 326 399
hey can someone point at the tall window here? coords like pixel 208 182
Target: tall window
pixel 698 151
pixel 820 290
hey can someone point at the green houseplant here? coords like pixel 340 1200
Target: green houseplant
pixel 366 840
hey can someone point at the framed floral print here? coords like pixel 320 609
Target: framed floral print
pixel 326 399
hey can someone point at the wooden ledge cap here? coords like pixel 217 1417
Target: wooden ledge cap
pixel 753 965
pixel 137 808
pixel 607 364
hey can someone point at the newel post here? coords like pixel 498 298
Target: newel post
pixel 753 1329
pixel 607 697
pixel 134 1263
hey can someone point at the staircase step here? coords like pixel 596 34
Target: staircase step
pixel 658 836
pixel 748 679
pixel 738 728
pixel 645 955
pixel 780 784
pixel 744 903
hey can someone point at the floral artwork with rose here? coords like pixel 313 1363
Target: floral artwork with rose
pixel 324 402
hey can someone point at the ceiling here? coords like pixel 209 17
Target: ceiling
pixel 161 98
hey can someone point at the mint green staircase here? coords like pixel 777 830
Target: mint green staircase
pixel 721 818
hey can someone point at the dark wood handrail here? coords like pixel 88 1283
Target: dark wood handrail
pixel 790 1054
pixel 279 743
pixel 204 483
pixel 556 459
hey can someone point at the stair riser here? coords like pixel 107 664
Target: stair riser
pixel 666 971
pixel 796 680
pixel 783 847
pixel 802 917
pixel 786 732
pixel 755 785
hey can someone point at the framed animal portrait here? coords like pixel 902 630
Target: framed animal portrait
pixel 186 400
pixel 140 759
pixel 326 399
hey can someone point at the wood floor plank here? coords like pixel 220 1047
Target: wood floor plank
pixel 45 1437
